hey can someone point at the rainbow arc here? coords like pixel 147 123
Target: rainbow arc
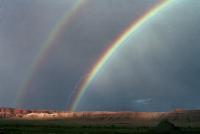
pixel 117 43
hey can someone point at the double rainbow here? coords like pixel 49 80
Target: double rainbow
pixel 117 43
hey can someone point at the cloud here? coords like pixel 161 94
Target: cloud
pixel 143 101
pixel 160 62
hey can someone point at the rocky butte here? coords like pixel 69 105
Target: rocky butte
pixel 178 117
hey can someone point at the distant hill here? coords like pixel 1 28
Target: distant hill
pixel 178 117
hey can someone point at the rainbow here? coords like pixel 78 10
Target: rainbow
pixel 55 33
pixel 117 43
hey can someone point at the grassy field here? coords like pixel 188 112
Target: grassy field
pixel 52 127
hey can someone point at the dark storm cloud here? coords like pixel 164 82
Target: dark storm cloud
pixel 166 74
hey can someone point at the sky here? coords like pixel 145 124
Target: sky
pixel 156 70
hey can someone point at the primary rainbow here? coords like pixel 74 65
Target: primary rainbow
pixel 117 43
pixel 55 33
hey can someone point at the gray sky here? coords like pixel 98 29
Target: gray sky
pixel 156 70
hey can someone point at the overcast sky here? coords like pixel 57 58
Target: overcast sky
pixel 156 70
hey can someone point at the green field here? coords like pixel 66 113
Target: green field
pixel 59 127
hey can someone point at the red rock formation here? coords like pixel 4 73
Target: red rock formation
pixel 103 117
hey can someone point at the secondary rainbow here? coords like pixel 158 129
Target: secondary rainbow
pixel 117 43
pixel 55 33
